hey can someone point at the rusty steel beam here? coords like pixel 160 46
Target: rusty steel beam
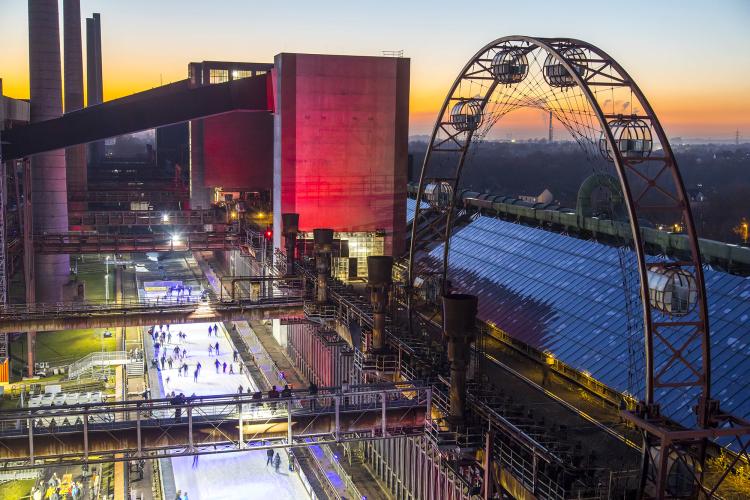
pixel 83 243
pixel 173 103
pixel 147 218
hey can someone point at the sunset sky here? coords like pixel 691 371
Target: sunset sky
pixel 689 57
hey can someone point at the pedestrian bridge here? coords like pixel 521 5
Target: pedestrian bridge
pixel 134 430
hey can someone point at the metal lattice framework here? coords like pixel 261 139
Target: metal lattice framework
pixel 606 113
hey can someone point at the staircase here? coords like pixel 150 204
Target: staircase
pixel 135 368
pixel 96 360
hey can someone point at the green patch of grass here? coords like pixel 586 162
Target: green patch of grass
pixel 71 345
pixel 16 490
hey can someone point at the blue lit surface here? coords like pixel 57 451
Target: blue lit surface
pixel 566 296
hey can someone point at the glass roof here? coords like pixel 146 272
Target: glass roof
pixel 571 297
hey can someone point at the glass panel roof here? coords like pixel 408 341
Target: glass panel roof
pixel 568 296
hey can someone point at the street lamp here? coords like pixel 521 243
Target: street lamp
pixel 106 280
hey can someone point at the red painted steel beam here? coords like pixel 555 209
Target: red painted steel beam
pixel 165 105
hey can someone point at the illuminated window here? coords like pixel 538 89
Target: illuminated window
pixel 238 73
pixel 218 75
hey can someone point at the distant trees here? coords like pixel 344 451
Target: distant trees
pixel 513 169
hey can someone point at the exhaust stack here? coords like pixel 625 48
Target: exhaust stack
pixel 459 317
pixel 380 279
pixel 323 239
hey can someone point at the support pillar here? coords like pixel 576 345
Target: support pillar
pixel 290 224
pixel 323 239
pixel 380 279
pixel 459 317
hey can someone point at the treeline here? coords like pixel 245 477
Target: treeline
pixel 720 172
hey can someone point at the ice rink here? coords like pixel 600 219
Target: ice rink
pixel 240 475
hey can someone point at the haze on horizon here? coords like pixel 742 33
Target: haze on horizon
pixel 689 57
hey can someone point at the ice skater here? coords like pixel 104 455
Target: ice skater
pixel 234 356
pixel 199 366
pixel 216 330
pixel 169 338
pixel 231 369
pixel 217 365
pixel 169 362
pixel 269 457
pixel 224 366
pixel 216 348
pixel 184 353
pixel 209 330
pixel 195 375
pixel 210 349
pixel 195 463
pixel 276 462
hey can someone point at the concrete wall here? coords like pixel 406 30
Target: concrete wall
pixel 340 145
pixel 49 190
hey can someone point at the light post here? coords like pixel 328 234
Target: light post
pixel 106 281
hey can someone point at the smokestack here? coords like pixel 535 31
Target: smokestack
pixel 380 279
pixel 549 139
pixel 459 316
pixel 323 239
pixel 94 84
pixel 75 156
pixel 48 169
pixel 48 179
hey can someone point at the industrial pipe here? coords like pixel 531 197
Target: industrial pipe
pixel 323 239
pixel 290 228
pixel 380 279
pixel 459 317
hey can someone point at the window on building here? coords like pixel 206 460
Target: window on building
pixel 240 73
pixel 218 75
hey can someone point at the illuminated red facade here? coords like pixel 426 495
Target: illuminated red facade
pixel 340 143
pixel 238 151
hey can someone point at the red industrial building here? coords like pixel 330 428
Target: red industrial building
pixel 334 149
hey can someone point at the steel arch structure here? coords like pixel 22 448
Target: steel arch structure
pixel 605 111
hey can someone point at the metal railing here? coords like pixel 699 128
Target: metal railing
pixel 97 359
pixel 99 432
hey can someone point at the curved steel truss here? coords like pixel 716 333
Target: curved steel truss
pixel 603 109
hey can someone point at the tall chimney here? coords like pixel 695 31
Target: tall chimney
pixel 50 198
pixel 75 156
pixel 94 84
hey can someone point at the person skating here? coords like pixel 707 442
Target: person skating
pixel 276 462
pixel 163 361
pixel 242 368
pixel 210 349
pixel 224 367
pixel 199 366
pixel 184 353
pixel 169 362
pixel 216 348
pixel 195 376
pixel 216 330
pixel 231 369
pixel 240 389
pixel 195 461
pixel 217 364
pixel 169 338
pixel 179 495
pixel 269 457
pixel 209 330
pixel 234 356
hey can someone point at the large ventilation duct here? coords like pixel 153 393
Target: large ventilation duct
pixel 323 239
pixel 459 318
pixel 380 279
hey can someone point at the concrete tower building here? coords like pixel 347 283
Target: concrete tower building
pixel 48 169
pixel 75 156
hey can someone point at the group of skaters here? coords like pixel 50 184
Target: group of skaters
pixel 273 458
pixel 180 292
